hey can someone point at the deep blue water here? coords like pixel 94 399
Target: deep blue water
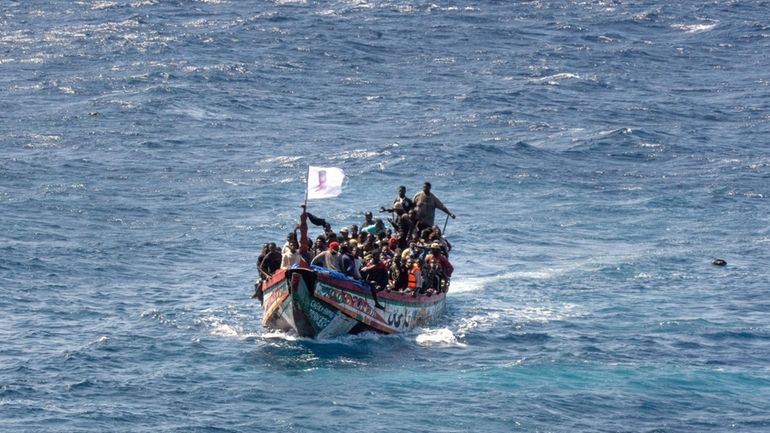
pixel 598 154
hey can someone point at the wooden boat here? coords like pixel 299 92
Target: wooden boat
pixel 316 302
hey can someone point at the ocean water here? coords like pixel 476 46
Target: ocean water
pixel 598 155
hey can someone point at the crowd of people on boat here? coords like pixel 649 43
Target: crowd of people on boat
pixel 407 254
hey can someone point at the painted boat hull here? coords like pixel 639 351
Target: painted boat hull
pixel 318 303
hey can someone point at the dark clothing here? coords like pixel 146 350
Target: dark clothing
pixel 316 221
pixel 403 225
pixel 406 203
pixel 442 261
pixel 348 265
pixel 260 259
pixel 270 263
pixel 376 275
pixel 399 275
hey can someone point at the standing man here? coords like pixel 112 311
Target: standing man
pixel 426 204
pixel 401 199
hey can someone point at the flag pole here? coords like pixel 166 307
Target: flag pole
pixel 307 183
pixel 303 241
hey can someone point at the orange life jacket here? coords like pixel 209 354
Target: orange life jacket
pixel 413 274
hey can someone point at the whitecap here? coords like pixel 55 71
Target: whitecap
pixel 279 335
pixel 138 4
pixel 282 159
pixel 43 141
pixel 442 336
pixel 356 154
pixel 219 328
pixel 542 314
pixel 554 79
pixel 101 5
pixel 696 28
pixel 476 321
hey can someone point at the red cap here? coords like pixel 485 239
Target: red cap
pixel 334 245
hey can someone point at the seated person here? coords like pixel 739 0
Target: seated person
pixel 329 258
pixel 442 261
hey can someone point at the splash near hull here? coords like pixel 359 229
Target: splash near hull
pixel 318 303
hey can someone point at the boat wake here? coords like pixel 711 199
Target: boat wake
pixel 472 284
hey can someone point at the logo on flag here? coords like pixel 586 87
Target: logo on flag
pixel 324 182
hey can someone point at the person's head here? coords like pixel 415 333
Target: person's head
pixel 426 187
pixel 291 236
pixel 344 248
pixel 378 223
pixel 402 191
pixel 273 246
pixel 353 231
pixel 435 247
pixel 344 233
pixel 368 215
pixel 334 246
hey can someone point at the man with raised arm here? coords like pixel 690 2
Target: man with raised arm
pixel 426 203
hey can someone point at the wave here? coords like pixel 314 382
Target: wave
pixel 555 78
pixel 696 28
pixel 473 284
pixel 438 337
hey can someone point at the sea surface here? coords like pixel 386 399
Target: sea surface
pixel 598 155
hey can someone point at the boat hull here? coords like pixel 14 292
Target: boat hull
pixel 319 303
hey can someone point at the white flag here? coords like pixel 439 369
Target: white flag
pixel 324 182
